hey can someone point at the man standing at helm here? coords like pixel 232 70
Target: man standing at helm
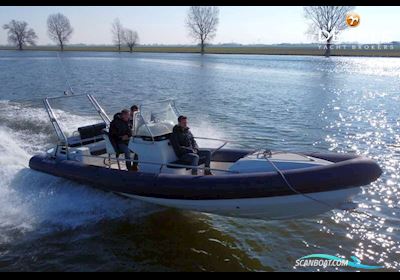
pixel 120 133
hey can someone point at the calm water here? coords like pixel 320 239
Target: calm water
pixel 279 102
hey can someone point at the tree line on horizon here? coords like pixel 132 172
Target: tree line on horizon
pixel 201 22
pixel 59 30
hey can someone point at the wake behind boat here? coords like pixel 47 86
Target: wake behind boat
pixel 247 183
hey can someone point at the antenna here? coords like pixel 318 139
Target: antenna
pixel 65 76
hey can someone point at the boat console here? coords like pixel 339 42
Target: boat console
pixel 153 127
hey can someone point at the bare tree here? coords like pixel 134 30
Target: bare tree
pixel 118 33
pixel 202 22
pixel 327 22
pixel 59 29
pixel 19 34
pixel 131 38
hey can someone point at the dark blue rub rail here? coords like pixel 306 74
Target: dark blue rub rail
pixel 347 171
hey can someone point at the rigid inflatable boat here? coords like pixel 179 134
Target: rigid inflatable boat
pixel 247 183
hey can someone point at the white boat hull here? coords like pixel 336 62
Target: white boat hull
pixel 268 208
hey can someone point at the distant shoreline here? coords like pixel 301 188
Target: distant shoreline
pixel 270 50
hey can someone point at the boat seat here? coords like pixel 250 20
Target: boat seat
pixel 87 135
pixel 180 162
pixel 110 148
pixel 91 131
pixel 76 141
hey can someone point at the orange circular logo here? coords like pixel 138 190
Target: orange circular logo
pixel 353 19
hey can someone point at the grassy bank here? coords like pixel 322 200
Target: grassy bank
pixel 270 50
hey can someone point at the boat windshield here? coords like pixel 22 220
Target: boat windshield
pixel 155 119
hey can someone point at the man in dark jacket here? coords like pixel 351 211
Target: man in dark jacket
pixel 186 148
pixel 120 133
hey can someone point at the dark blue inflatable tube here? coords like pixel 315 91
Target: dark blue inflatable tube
pixel 348 171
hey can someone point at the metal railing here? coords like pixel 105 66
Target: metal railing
pixel 215 139
pixel 115 160
pixel 103 115
pixel 262 154
pixel 62 138
pixel 213 151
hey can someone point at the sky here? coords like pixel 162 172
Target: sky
pixel 165 25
